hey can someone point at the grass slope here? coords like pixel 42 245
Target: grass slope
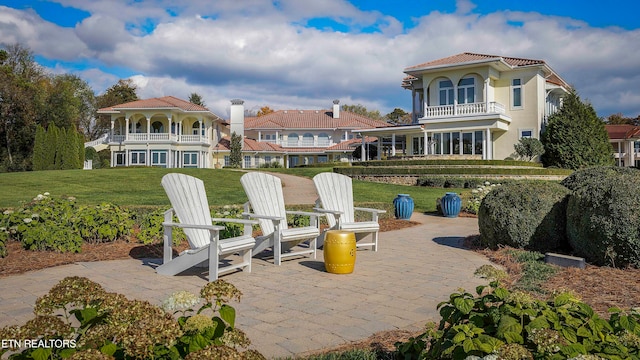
pixel 141 187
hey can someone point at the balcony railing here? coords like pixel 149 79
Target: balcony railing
pixel 463 109
pixel 160 137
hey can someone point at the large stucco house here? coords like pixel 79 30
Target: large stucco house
pixel 625 140
pixel 476 106
pixel 174 133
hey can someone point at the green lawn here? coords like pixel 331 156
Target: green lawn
pixel 141 187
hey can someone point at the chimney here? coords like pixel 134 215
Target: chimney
pixel 336 109
pixel 237 117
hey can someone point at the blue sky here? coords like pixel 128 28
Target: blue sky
pixel 294 54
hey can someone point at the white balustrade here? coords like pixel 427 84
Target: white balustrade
pixel 463 109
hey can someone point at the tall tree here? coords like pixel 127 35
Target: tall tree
pixel 619 119
pixel 361 110
pixel 195 98
pixel 39 161
pixel 235 157
pixel 575 137
pixel 264 111
pixel 122 92
pixel 21 94
pixel 397 116
pixel 51 146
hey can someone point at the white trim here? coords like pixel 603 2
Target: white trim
pixel 520 131
pixel 511 96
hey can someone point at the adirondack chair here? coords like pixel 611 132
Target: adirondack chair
pixel 266 203
pixel 336 201
pixel 189 202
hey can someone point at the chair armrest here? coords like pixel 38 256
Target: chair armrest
pixel 370 210
pixel 194 226
pixel 325 211
pixel 265 217
pixel 306 213
pixel 239 221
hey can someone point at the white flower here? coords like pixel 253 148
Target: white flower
pixel 180 300
pixel 474 191
pixel 226 213
pixel 39 197
pixel 227 207
pixel 8 212
pixel 27 220
pixel 486 183
pixel 46 194
pixel 35 216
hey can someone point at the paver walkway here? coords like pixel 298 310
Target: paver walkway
pixel 297 307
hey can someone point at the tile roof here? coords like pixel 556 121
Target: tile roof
pixel 472 57
pixel 166 102
pixel 623 132
pixel 249 145
pixel 311 119
pixel 351 144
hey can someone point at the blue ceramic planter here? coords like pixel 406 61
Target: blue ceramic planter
pixel 451 204
pixel 403 205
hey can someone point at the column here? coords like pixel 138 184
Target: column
pixel 486 94
pixel 620 158
pixel 455 99
pixel 259 135
pixel 393 144
pixel 169 130
pixel 426 142
pixel 112 126
pixel 363 155
pixel 148 129
pixel 126 133
pixel 200 129
pixel 489 146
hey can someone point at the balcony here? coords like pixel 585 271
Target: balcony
pixel 442 111
pixel 159 138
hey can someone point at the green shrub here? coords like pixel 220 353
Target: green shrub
pixel 4 237
pixel 150 228
pixel 103 223
pixel 98 324
pixel 597 173
pixel 526 215
pixel 514 325
pixel 432 181
pixel 603 216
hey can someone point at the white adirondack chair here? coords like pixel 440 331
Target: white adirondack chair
pixel 189 202
pixel 336 200
pixel 266 203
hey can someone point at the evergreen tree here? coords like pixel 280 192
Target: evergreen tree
pixel 79 149
pixel 235 158
pixel 60 149
pixel 51 145
pixel 529 148
pixel 575 137
pixel 39 161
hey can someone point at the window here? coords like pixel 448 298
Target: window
pixel 292 139
pixel 437 140
pixel 322 158
pixel 526 133
pixel 247 161
pixel 267 159
pixel 455 138
pixel 138 158
pixel 446 143
pixel 121 159
pixel 516 93
pixel 446 92
pixel 478 145
pixel 467 91
pixel 323 139
pixel 307 139
pixel 195 127
pixel 467 143
pixel 190 159
pixel 418 143
pixel 227 160
pixel 159 158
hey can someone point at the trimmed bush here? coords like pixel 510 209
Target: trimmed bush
pixel 597 173
pixel 527 215
pixel 603 216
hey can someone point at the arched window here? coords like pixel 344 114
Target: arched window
pixel 157 127
pixel 195 127
pixel 307 139
pixel 445 92
pixel 292 139
pixel 323 139
pixel 467 91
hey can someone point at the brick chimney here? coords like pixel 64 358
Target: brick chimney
pixel 336 109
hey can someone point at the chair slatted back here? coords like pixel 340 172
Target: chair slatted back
pixel 265 196
pixel 336 193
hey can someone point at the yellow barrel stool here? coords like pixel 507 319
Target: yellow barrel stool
pixel 339 251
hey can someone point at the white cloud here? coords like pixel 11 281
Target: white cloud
pixel 262 51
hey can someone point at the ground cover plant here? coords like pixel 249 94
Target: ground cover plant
pixel 86 322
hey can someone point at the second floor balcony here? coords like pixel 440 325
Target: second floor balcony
pixel 470 109
pixel 160 138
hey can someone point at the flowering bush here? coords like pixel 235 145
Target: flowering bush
pixel 499 324
pixel 477 194
pixel 96 324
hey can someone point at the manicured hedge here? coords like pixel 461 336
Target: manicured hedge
pixel 449 162
pixel 527 215
pixel 603 216
pixel 360 170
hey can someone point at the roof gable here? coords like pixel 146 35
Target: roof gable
pixel 467 58
pixel 311 119
pixel 166 102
